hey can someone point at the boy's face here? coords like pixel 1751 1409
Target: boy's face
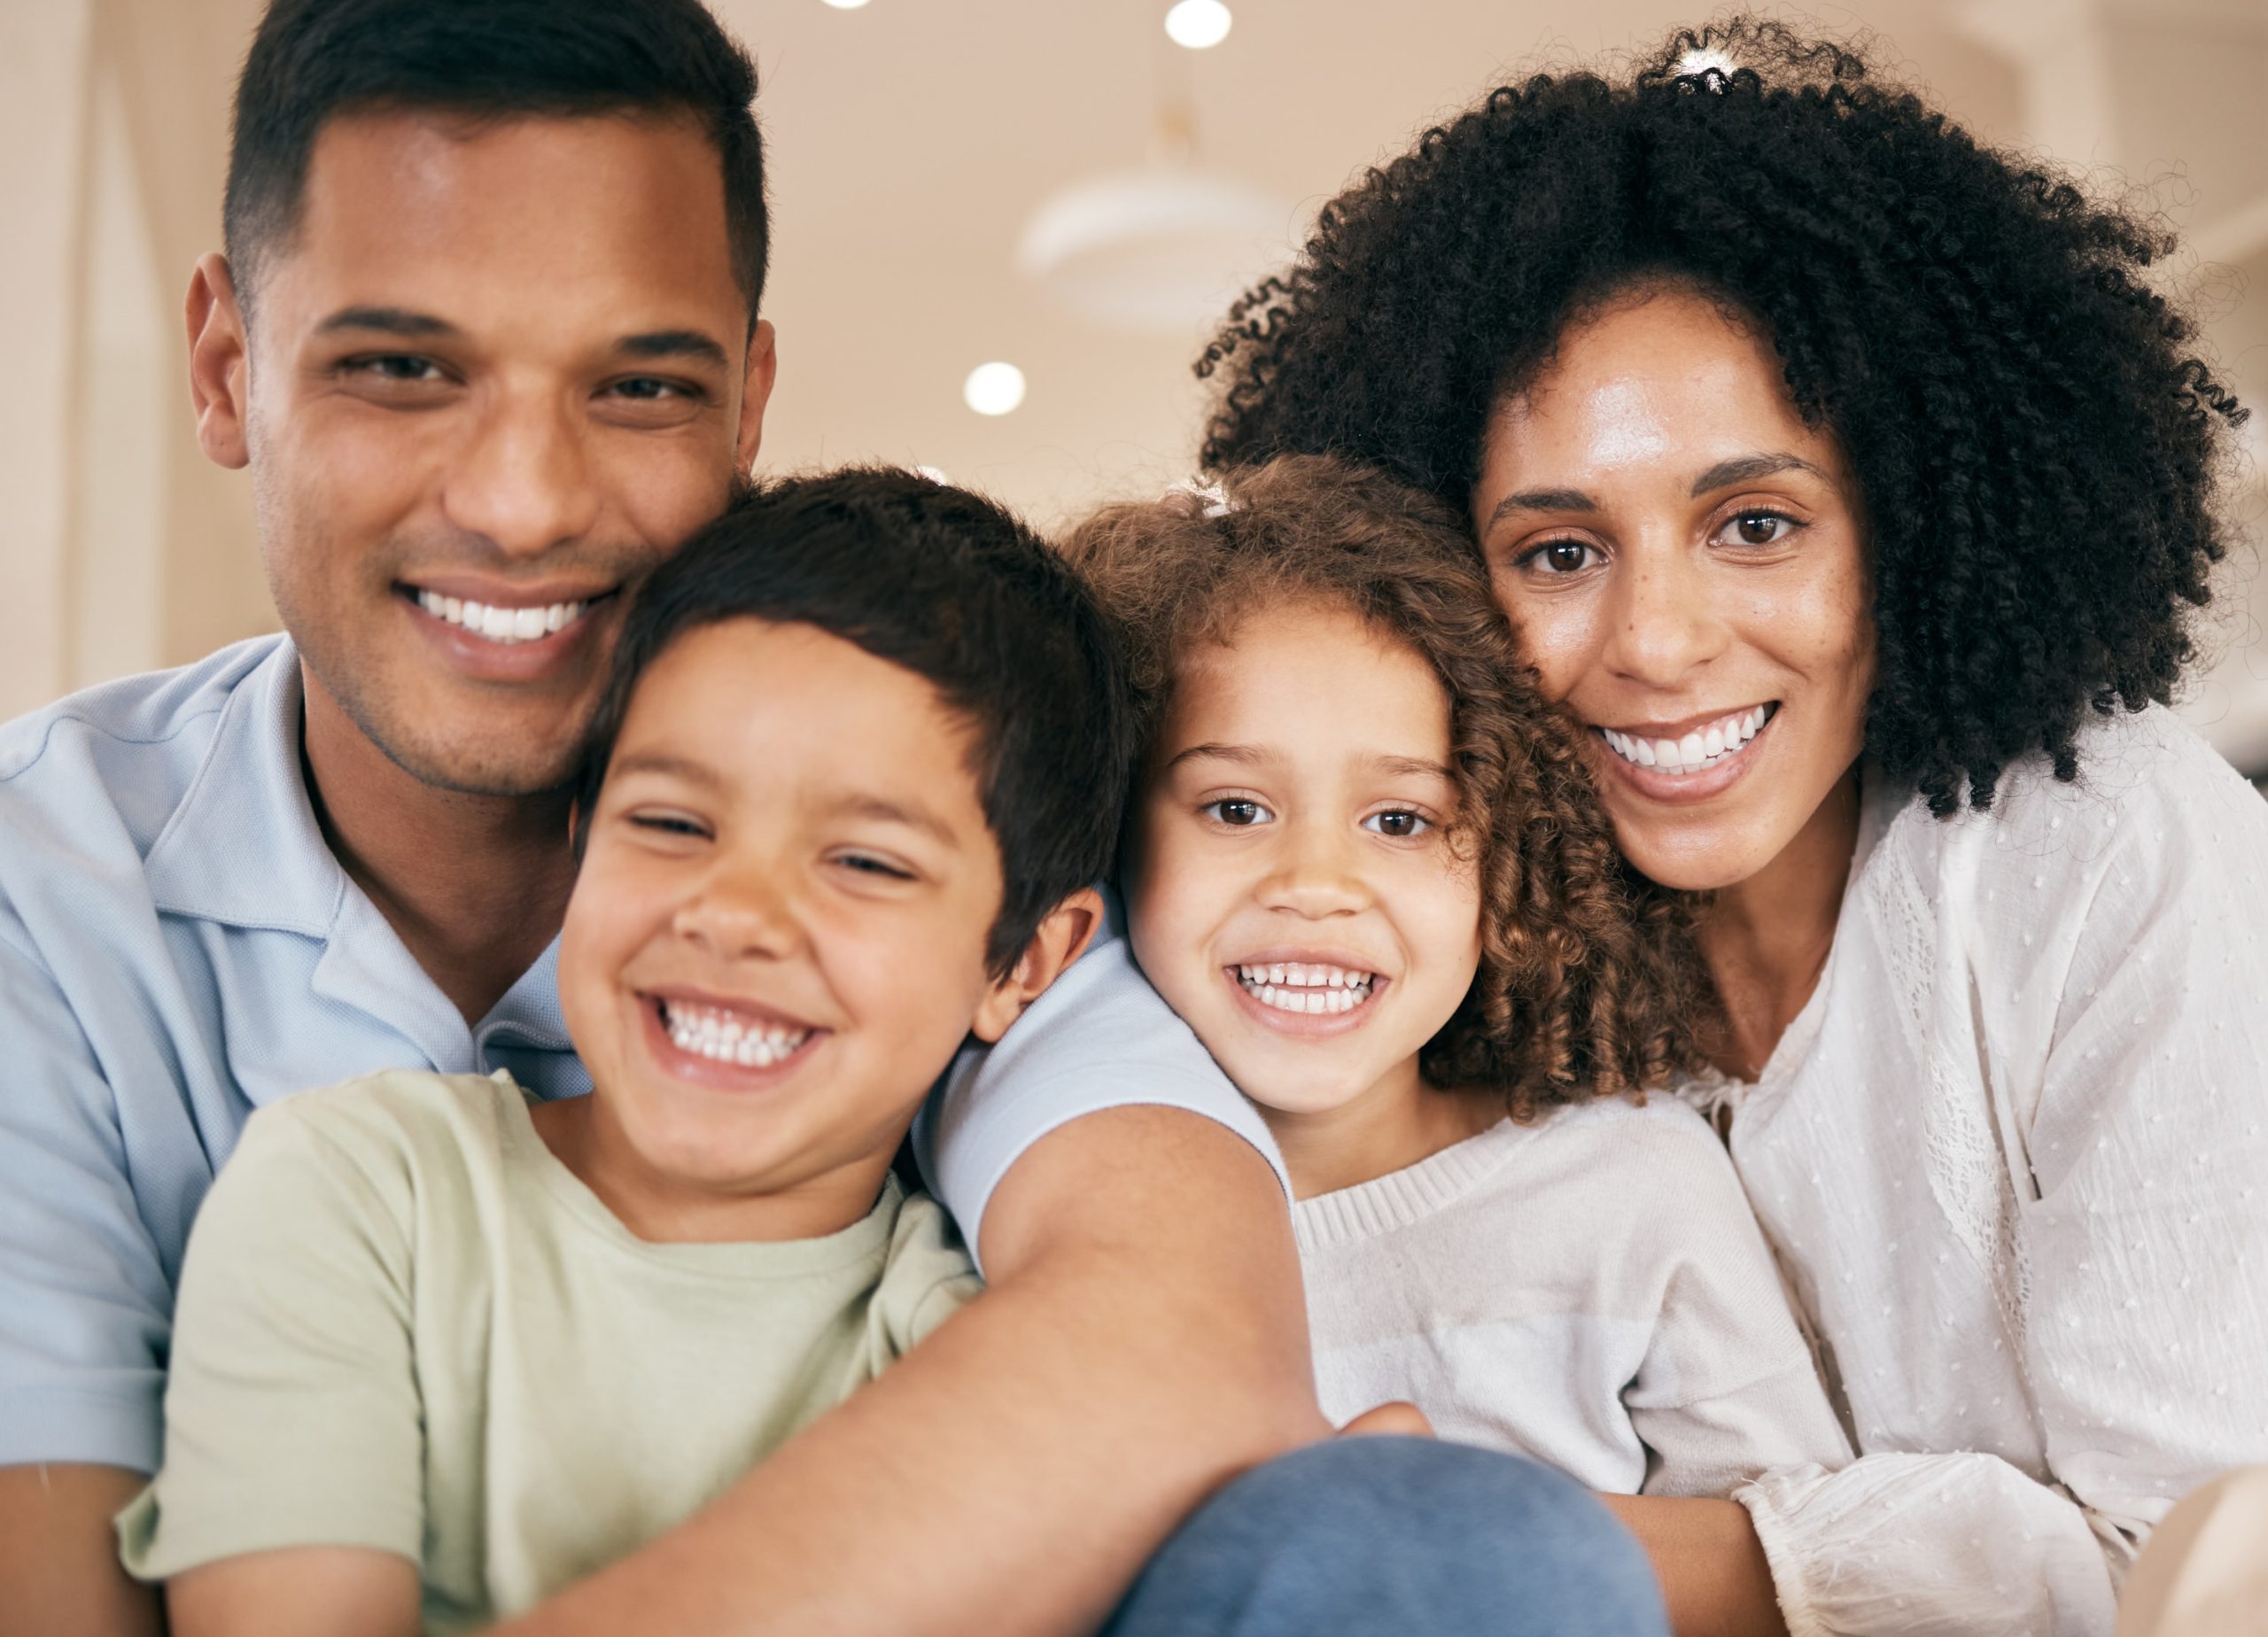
pixel 1294 895
pixel 777 940
pixel 502 365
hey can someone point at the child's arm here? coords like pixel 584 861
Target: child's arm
pixel 291 1494
pixel 342 1590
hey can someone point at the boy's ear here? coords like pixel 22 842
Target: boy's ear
pixel 1061 939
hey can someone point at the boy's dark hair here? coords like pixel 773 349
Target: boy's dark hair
pixel 955 589
pixel 1588 985
pixel 2035 438
pixel 312 60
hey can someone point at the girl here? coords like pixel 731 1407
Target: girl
pixel 1365 863
pixel 1852 484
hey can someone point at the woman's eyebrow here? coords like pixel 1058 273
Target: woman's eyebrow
pixel 1748 468
pixel 1541 500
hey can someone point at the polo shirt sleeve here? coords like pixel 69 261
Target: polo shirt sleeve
pixel 293 1417
pixel 1099 1039
pixel 84 1293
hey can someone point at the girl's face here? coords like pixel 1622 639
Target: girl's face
pixel 1685 562
pixel 1293 889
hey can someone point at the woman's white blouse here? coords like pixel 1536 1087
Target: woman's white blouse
pixel 2014 1157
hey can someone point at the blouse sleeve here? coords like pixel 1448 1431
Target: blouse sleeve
pixel 2141 1167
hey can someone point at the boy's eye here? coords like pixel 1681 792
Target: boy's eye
pixel 867 864
pixel 668 824
pixel 1398 821
pixel 1237 811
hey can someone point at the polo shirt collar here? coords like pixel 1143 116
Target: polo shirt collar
pixel 243 847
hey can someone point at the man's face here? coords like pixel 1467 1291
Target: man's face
pixel 498 373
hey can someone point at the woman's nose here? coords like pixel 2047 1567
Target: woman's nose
pixel 1661 623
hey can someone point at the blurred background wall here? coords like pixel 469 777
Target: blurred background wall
pixel 956 182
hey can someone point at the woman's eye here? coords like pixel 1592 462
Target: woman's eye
pixel 1559 556
pixel 1398 821
pixel 1761 528
pixel 1238 812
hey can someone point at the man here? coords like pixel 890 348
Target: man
pixel 486 339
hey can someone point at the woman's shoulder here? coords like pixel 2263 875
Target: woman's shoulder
pixel 2151 798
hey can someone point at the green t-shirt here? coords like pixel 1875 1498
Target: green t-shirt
pixel 403 1324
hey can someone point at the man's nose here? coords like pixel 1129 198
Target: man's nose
pixel 1662 621
pixel 523 481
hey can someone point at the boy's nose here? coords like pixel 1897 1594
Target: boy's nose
pixel 739 920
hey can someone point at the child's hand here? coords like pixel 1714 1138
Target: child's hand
pixel 1396 1419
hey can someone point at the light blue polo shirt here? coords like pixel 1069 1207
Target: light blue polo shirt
pixel 178 947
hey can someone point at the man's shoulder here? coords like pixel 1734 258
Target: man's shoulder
pixel 130 750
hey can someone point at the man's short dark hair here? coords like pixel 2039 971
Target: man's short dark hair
pixel 313 60
pixel 956 589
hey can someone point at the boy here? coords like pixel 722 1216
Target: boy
pixel 442 1349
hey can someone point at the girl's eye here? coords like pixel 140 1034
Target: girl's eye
pixel 1237 811
pixel 1760 528
pixel 1398 822
pixel 1559 556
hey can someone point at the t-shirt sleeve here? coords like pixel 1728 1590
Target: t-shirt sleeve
pixel 1100 1038
pixel 1729 1387
pixel 84 1293
pixel 928 1279
pixel 292 1415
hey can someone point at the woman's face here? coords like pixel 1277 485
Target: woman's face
pixel 1685 561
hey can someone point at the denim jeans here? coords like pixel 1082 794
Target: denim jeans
pixel 1400 1537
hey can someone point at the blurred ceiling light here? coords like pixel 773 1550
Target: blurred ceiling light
pixel 993 389
pixel 846 6
pixel 1198 24
pixel 1160 252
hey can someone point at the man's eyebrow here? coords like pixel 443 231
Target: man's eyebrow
pixel 676 344
pixel 1540 501
pixel 387 321
pixel 1748 468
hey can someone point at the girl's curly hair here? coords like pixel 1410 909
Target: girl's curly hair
pixel 1587 983
pixel 2037 445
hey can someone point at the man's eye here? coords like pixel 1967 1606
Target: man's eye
pixel 394 367
pixel 1398 821
pixel 648 389
pixel 1237 811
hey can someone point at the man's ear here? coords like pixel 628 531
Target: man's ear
pixel 219 364
pixel 756 389
pixel 1061 939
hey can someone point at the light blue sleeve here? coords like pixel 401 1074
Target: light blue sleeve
pixel 1100 1038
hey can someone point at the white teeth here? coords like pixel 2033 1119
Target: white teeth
pixel 1316 990
pixel 726 1038
pixel 1703 747
pixel 498 625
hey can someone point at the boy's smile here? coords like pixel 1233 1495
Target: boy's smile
pixel 778 935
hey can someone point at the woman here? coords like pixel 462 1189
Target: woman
pixel 1849 482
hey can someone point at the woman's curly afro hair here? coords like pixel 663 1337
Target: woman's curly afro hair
pixel 2036 446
